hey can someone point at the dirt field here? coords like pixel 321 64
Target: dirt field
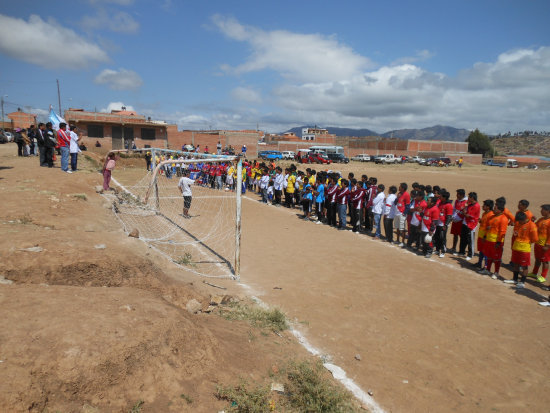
pixel 86 328
pixel 432 335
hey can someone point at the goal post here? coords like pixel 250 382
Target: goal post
pixel 207 241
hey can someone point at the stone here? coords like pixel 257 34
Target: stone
pixel 100 246
pixel 209 309
pixel 33 249
pixel 216 299
pixel 193 306
pixel 4 280
pixel 99 189
pixel 278 387
pixel 358 357
pixel 134 233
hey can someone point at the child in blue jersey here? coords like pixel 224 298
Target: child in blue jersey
pixel 307 199
pixel 320 196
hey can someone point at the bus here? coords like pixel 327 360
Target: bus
pixel 327 149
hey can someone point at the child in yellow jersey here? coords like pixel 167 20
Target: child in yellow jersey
pixel 525 234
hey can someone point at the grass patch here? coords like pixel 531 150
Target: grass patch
pixel 186 259
pixel 244 398
pixel 80 196
pixel 136 408
pixel 187 398
pixel 307 388
pixel 274 319
pixel 25 220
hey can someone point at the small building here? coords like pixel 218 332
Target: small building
pixel 318 135
pixel 119 128
pixel 20 119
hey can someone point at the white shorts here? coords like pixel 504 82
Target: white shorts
pixel 399 222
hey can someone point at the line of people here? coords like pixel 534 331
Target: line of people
pixel 43 141
pixel 419 220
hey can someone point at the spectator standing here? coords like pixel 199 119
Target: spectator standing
pixel 107 170
pixel 40 142
pixel 63 141
pixel 73 146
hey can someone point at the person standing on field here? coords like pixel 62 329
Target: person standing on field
pixel 184 186
pixel 63 141
pixel 73 147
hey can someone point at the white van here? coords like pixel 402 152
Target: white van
pixel 288 155
pixel 512 163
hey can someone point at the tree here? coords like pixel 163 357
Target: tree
pixel 479 143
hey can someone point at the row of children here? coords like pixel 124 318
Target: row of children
pixel 419 220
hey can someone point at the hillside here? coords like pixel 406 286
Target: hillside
pixel 538 145
pixel 438 132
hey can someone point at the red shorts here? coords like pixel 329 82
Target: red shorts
pixel 540 255
pixel 456 228
pixel 523 259
pixel 492 252
pixel 481 245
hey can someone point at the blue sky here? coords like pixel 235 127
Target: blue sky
pixel 380 65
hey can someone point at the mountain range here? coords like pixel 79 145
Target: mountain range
pixel 437 132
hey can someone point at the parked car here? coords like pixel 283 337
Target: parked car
pixel 268 155
pixel 3 137
pixel 417 159
pixel 427 162
pixel 512 163
pixel 362 157
pixel 318 158
pixel 9 136
pixel 438 162
pixel 288 155
pixel 338 158
pixel 386 159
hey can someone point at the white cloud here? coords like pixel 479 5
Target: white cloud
pixel 420 56
pixel 296 56
pixel 119 80
pixel 120 22
pixel 116 106
pixel 512 93
pixel 246 94
pixel 47 44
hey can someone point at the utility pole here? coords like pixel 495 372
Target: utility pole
pixel 2 111
pixel 59 98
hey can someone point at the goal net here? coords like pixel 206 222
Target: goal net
pixel 207 240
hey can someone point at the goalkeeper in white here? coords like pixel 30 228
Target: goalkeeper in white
pixel 184 186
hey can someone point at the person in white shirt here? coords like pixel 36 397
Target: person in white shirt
pixel 73 146
pixel 264 184
pixel 184 186
pixel 378 209
pixel 278 186
pixel 389 213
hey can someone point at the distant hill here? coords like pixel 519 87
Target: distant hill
pixel 538 145
pixel 434 133
pixel 438 132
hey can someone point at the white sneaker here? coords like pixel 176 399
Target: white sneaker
pixel 69 172
pixel 495 276
pixel 442 255
pixel 509 282
pixel 519 286
pixel 468 258
pixel 401 244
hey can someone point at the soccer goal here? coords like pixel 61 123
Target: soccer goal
pixel 207 240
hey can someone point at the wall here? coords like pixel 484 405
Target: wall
pixel 21 119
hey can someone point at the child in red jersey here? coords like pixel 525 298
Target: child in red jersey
pixel 458 217
pixel 542 247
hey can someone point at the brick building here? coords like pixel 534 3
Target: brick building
pixel 20 119
pixel 119 128
pixel 209 139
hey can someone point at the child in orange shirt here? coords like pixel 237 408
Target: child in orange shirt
pixel 495 232
pixel 525 234
pixel 542 247
pixel 487 213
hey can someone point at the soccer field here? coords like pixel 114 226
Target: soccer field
pixel 432 335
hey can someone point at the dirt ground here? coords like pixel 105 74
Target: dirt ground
pixel 90 328
pixel 432 334
pixel 87 328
